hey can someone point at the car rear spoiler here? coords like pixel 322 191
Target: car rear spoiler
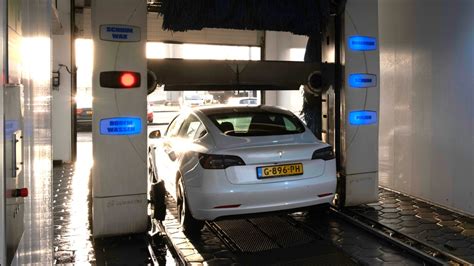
pixel 193 75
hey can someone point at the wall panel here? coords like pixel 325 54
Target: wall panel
pixel 427 94
pixel 36 246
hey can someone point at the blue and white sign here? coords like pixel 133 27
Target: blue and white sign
pixel 362 43
pixel 121 126
pixel 10 127
pixel 362 118
pixel 361 80
pixel 120 33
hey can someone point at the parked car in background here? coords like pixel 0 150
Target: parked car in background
pixel 192 100
pixel 84 118
pixel 226 161
pixel 149 113
pixel 242 101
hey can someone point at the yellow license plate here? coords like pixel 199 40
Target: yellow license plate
pixel 280 170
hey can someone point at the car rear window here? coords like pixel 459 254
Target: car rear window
pixel 257 123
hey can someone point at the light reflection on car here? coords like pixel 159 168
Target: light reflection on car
pixel 226 161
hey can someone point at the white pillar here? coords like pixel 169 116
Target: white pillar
pixel 360 102
pixel 61 104
pixel 119 174
pixel 3 29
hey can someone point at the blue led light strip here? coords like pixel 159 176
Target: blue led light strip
pixel 362 43
pixel 121 126
pixel 361 80
pixel 362 118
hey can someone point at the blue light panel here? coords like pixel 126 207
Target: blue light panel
pixel 362 118
pixel 121 126
pixel 10 127
pixel 360 80
pixel 362 43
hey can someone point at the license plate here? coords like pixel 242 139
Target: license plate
pixel 280 170
pixel 89 112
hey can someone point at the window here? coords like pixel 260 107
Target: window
pixel 257 123
pixel 174 127
pixel 190 127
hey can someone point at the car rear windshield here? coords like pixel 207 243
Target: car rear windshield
pixel 257 123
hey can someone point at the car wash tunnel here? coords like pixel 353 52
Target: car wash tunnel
pixel 225 132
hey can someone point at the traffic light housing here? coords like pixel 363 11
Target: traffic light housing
pixel 120 79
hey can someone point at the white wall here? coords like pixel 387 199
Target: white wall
pixel 427 98
pixel 284 46
pixel 3 28
pixel 62 95
pixel 36 246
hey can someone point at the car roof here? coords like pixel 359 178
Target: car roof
pixel 220 109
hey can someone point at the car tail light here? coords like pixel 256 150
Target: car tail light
pixel 323 154
pixel 78 111
pixel 212 161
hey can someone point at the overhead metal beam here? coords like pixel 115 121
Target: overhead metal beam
pixel 182 75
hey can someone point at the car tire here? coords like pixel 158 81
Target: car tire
pixel 157 198
pixel 157 193
pixel 189 225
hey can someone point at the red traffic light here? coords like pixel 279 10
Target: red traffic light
pixel 128 79
pixel 120 79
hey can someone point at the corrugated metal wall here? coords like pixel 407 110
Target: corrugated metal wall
pixel 427 96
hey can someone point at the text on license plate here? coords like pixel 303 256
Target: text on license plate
pixel 280 170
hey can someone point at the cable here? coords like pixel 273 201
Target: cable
pixel 61 66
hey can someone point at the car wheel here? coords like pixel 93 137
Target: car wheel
pixel 157 192
pixel 189 225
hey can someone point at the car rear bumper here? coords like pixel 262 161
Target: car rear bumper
pixel 216 197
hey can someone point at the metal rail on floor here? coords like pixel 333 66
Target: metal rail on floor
pixel 427 253
pixel 223 236
pixel 158 228
pixel 415 247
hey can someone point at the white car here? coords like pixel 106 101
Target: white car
pixel 192 100
pixel 227 161
pixel 242 101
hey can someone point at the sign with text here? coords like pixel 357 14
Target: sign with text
pixel 120 33
pixel 121 126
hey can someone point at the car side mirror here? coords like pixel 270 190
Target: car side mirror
pixel 156 134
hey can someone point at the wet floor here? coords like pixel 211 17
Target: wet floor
pixel 74 243
pixel 71 207
pixel 73 240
